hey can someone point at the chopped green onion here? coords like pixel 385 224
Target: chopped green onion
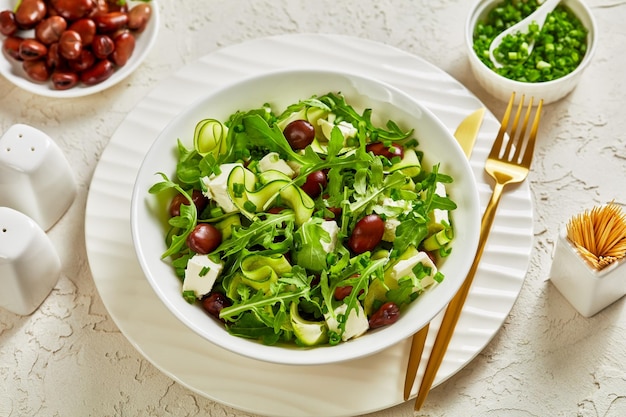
pixel 559 47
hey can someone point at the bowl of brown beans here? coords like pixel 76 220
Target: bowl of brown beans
pixel 73 48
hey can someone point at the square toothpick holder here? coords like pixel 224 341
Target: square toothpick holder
pixel 587 289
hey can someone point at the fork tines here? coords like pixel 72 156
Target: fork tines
pixel 515 145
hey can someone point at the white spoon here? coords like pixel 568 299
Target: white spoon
pixel 538 16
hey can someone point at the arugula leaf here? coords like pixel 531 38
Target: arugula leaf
pixel 257 232
pixel 186 221
pixel 308 250
pixel 261 134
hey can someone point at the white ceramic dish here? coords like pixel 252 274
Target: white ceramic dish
pixel 502 87
pixel 280 89
pixel 236 381
pixel 13 71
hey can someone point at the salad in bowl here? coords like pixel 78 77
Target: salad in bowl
pixel 309 222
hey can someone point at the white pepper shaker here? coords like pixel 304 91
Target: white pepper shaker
pixel 35 177
pixel 29 264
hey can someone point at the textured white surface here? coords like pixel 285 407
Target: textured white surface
pixel 69 359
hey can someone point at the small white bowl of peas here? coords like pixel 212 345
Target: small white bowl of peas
pixel 563 48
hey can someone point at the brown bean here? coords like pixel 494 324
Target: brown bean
pixel 110 22
pixel 124 47
pixel 86 28
pixel 11 46
pixel 138 17
pixel 49 30
pixel 102 6
pixel 102 46
pixel 63 80
pixel 32 49
pixel 29 13
pixel 388 313
pixel 99 72
pixel 74 9
pixel 367 233
pixel 8 25
pixel 70 44
pixel 84 61
pixel 36 70
pixel 117 6
pixel 54 60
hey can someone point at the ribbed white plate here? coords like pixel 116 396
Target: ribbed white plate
pixel 345 389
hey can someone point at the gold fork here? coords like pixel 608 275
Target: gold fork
pixel 507 163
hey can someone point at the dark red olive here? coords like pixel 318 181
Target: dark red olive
pixel 214 303
pixel 367 233
pixel 315 182
pixel 199 200
pixel 388 313
pixel 299 134
pixel 204 238
pixel 8 25
pixel 342 292
pixel 99 72
pixel 49 30
pixel 336 211
pixel 388 151
pixel 63 80
pixel 276 210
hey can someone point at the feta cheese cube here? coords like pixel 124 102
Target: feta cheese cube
pixel 356 324
pixel 440 216
pixel 404 268
pixel 333 229
pixel 217 187
pixel 389 235
pixel 346 128
pixel 272 161
pixel 201 274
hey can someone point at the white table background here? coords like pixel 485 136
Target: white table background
pixel 69 359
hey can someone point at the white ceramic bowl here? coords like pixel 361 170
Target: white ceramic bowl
pixel 281 89
pixel 502 87
pixel 12 70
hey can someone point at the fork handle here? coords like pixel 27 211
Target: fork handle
pixel 451 316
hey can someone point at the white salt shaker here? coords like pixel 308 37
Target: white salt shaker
pixel 587 289
pixel 29 264
pixel 35 177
